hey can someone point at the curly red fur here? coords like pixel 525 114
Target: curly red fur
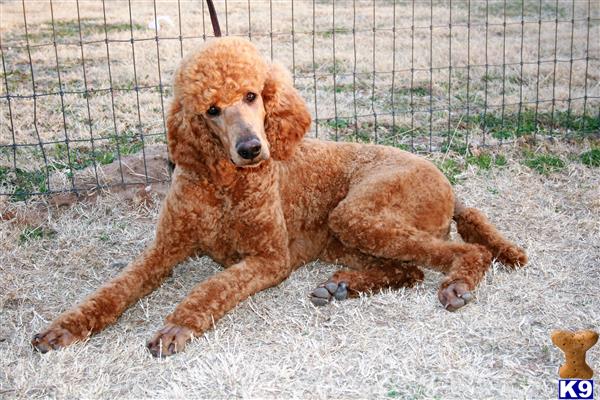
pixel 375 209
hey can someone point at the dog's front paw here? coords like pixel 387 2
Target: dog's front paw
pixel 327 291
pixel 169 340
pixel 53 338
pixel 454 295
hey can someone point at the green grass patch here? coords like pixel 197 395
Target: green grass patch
pixel 78 158
pixel 360 136
pixel 128 144
pixel 337 67
pixel 330 32
pixel 493 190
pixel 4 171
pixel 69 29
pixel 23 182
pixel 487 161
pixel 35 233
pixel 574 122
pixel 419 91
pixel 516 125
pixel 516 8
pixel 483 161
pixel 344 87
pixel 16 74
pixel 500 160
pixel 516 80
pixel 81 157
pixel 591 158
pixel 544 164
pixel 451 168
pixel 456 146
pixel 336 123
pixel 105 157
pixel 15 78
pixel 490 77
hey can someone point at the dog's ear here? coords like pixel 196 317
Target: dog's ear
pixel 184 134
pixel 287 118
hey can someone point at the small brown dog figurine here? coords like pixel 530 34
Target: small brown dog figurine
pixel 574 345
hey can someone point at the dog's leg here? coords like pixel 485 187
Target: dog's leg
pixel 211 299
pixel 474 227
pixel 105 305
pixel 346 283
pixel 387 235
pixel 367 274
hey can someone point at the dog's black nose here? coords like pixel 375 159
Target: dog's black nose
pixel 248 148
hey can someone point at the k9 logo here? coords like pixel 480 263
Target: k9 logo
pixel 571 389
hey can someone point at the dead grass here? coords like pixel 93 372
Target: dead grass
pixel 276 345
pixel 346 89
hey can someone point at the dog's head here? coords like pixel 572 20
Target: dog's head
pixel 229 102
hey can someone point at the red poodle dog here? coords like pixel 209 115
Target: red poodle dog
pixel 250 192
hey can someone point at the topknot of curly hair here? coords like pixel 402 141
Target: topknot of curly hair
pixel 219 73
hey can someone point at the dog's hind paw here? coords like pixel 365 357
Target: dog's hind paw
pixel 327 291
pixel 455 295
pixel 512 256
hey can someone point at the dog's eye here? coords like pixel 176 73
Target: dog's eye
pixel 250 97
pixel 213 111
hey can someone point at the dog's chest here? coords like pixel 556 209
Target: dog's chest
pixel 222 243
pixel 236 227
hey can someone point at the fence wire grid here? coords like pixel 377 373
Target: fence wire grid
pixel 86 84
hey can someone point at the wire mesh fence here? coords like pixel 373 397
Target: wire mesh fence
pixel 85 85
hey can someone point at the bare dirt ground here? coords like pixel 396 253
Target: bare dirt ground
pixel 276 344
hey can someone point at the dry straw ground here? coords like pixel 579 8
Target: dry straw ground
pixel 276 344
pixel 342 55
pixel 394 344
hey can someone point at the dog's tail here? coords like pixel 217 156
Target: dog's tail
pixel 474 227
